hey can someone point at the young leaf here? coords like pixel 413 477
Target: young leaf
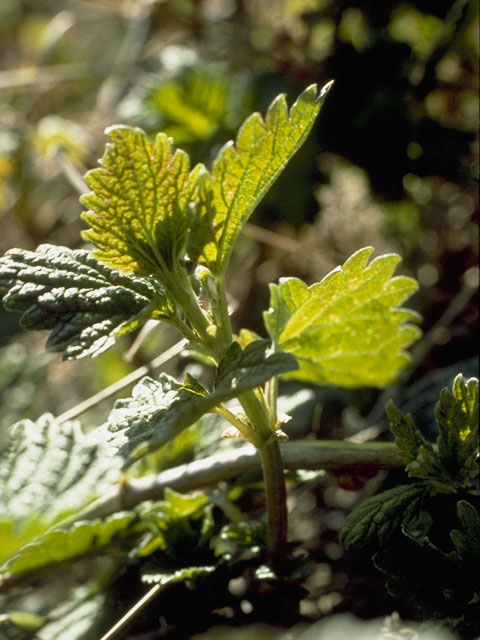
pixel 139 201
pixel 64 543
pixel 457 417
pixel 160 410
pixel 346 329
pixel 47 471
pixel 408 439
pixel 381 515
pixel 467 540
pixel 452 463
pixel 85 304
pixel 243 173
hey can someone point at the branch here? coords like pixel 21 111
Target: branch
pixel 347 457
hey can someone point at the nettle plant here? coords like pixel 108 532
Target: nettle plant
pixel 163 234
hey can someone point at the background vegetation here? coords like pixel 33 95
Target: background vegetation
pixel 392 163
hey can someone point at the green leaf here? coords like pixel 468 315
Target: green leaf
pixel 457 417
pixel 451 463
pixel 48 470
pixel 64 543
pixel 160 410
pixel 243 172
pixel 197 101
pixel 138 208
pixel 243 369
pixel 467 540
pixel 347 329
pixel 382 515
pixel 85 304
pixel 408 439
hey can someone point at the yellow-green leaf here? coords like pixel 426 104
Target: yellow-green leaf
pixel 139 202
pixel 243 172
pixel 346 329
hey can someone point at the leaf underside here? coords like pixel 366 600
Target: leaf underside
pixel 138 205
pixel 160 409
pixel 84 303
pixel 48 470
pixel 346 329
pixel 64 543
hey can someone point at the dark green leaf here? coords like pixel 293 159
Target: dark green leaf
pixel 85 304
pixel 347 329
pixel 408 438
pixel 160 410
pixel 467 540
pixel 382 515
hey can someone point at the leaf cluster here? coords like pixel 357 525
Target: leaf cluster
pixel 164 233
pixel 425 536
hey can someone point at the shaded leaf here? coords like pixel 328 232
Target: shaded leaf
pixel 85 304
pixel 467 540
pixel 47 471
pixel 408 438
pixel 243 172
pixel 160 410
pixel 347 329
pixel 382 515
pixel 138 205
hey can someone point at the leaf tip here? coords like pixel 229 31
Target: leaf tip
pixel 323 91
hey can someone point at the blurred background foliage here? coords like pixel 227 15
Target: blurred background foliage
pixel 392 163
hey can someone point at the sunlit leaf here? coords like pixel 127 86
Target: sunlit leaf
pixel 64 543
pixel 48 470
pixel 452 463
pixel 160 409
pixel 138 208
pixel 84 303
pixel 243 172
pixel 347 329
pixel 457 417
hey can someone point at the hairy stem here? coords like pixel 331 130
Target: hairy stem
pixel 276 499
pixel 220 309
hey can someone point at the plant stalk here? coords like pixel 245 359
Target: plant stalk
pixel 276 502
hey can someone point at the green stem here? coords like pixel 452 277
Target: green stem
pixel 257 412
pixel 276 499
pixel 181 290
pixel 271 393
pixel 259 415
pixel 220 309
pixel 243 428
